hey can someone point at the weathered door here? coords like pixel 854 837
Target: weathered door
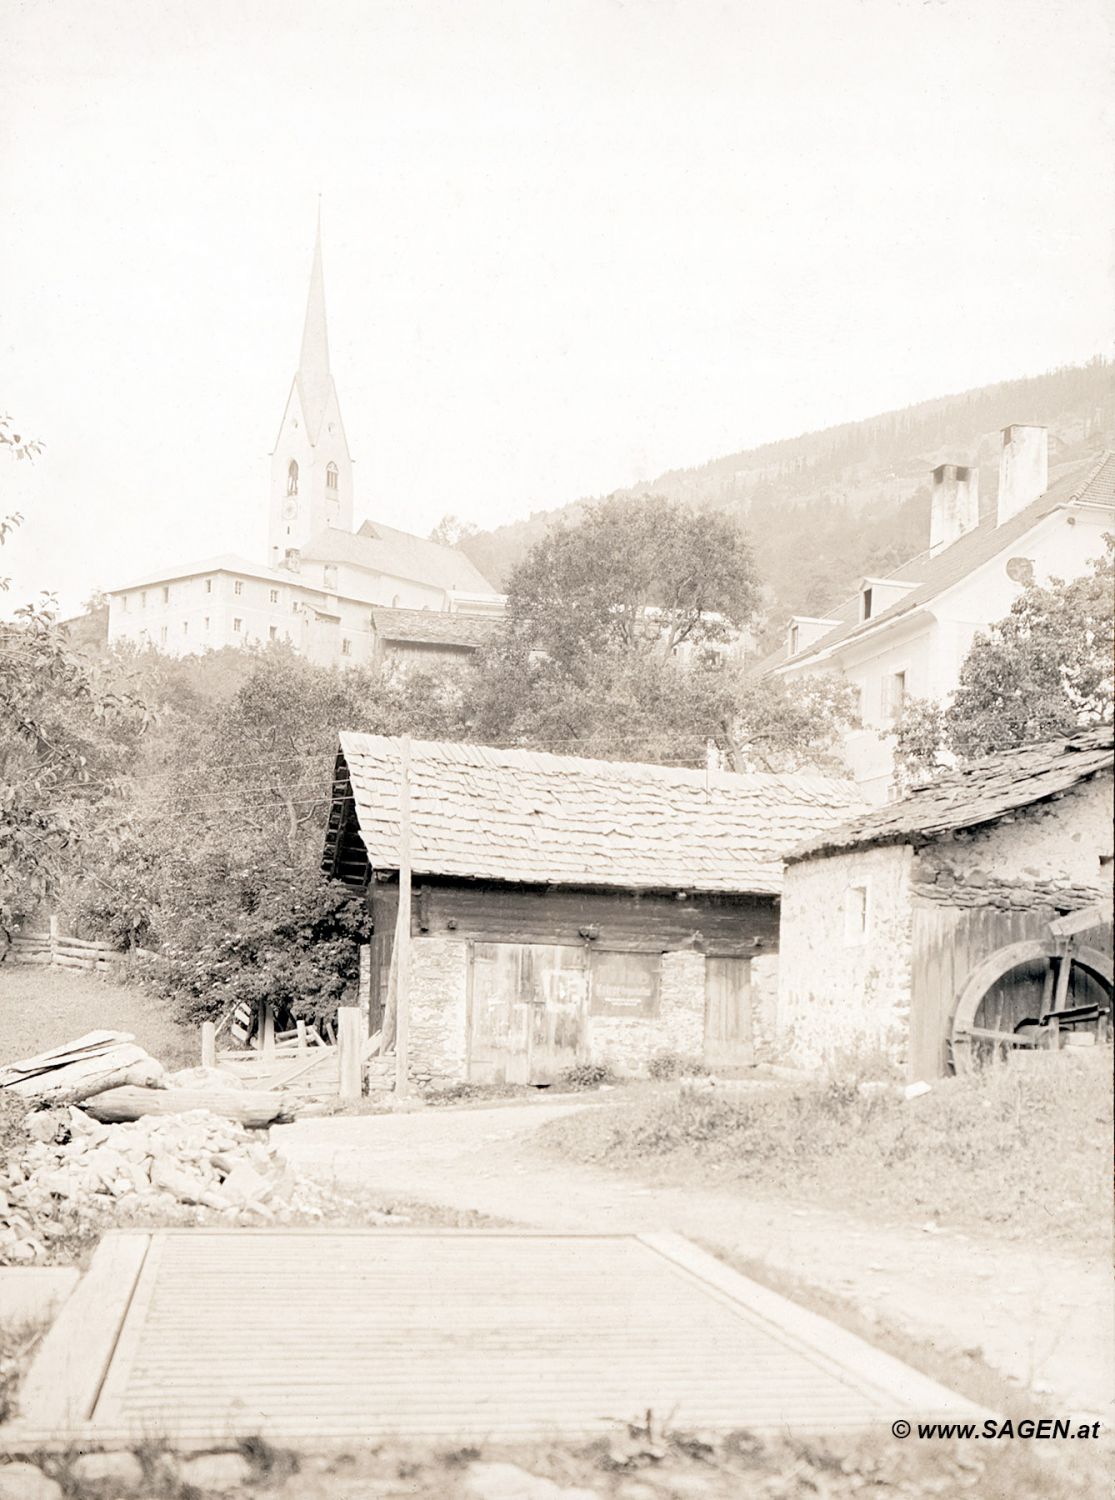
pixel 527 1008
pixel 729 1042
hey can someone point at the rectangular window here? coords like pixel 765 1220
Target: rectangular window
pixel 274 596
pixel 207 622
pixel 143 599
pixel 867 604
pixel 185 627
pixel 346 648
pixel 166 595
pixel 273 632
pixel 124 603
pixel 208 585
pixel 895 695
pixel 236 625
pixel 162 635
pixel 238 587
pixel 856 915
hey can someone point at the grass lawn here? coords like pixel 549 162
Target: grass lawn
pixel 1022 1151
pixel 42 1008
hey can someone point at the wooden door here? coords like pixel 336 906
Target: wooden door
pixel 729 1042
pixel 527 1006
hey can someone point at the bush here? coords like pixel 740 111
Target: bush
pixel 296 947
pixel 587 1075
pixel 667 1065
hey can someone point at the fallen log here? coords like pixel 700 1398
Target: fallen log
pixel 254 1108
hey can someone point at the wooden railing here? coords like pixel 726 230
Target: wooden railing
pixel 50 946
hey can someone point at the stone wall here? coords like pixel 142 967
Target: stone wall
pixel 1047 855
pixel 836 994
pixel 764 1007
pixel 438 1009
pixel 628 1043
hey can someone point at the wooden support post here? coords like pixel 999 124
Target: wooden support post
pixel 402 931
pixel 53 925
pixel 349 1049
pixel 268 1037
pixel 208 1044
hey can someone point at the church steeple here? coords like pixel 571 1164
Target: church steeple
pixel 311 468
pixel 314 379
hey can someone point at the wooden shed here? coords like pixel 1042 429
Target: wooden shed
pixel 566 909
pixel 970 919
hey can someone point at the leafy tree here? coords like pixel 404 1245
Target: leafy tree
pixel 1043 671
pixel 641 575
pixel 609 649
pixel 450 531
pixel 66 731
pixel 214 852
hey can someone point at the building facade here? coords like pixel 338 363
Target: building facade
pixel 906 636
pixel 322 578
pixel 952 920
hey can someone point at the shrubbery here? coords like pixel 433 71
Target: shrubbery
pixel 296 947
pixel 665 1066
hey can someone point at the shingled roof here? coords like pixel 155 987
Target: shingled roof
pixel 398 554
pixel 427 627
pixel 973 795
pixel 1088 484
pixel 522 816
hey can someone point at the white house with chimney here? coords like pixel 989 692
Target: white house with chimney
pixel 907 635
pixel 321 580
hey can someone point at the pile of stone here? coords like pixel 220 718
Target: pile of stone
pixel 71 1167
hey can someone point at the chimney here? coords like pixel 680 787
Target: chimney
pixel 955 508
pixel 1023 469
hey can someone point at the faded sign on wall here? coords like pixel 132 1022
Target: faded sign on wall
pixel 624 984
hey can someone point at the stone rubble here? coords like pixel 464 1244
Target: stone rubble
pixel 71 1166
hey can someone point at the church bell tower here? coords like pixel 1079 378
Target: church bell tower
pixel 311 467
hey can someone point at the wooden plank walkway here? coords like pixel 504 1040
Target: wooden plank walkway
pixel 326 1336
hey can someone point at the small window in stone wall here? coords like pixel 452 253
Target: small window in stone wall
pixel 856 914
pixel 624 984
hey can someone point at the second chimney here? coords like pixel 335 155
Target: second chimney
pixel 955 507
pixel 1023 469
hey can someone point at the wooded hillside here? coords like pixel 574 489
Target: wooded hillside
pixel 829 506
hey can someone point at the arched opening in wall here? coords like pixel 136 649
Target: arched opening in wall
pixel 292 477
pixel 331 478
pixel 1032 995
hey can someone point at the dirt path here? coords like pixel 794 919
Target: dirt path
pixel 1041 1319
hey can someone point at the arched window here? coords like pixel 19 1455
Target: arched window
pixel 331 477
pixel 292 477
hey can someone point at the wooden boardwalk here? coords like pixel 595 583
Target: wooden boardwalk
pixel 328 1336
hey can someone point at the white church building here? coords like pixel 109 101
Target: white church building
pixel 322 579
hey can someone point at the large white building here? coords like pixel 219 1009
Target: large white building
pixel 906 636
pixel 322 580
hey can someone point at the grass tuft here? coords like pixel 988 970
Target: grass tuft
pixel 1019 1149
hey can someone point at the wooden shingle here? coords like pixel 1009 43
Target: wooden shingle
pixel 528 817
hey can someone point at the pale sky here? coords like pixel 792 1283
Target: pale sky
pixel 568 243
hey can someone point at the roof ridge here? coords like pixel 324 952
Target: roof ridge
pixel 515 757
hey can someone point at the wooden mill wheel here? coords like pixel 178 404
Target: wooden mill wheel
pixel 1059 959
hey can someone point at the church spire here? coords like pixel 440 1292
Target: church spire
pixel 313 364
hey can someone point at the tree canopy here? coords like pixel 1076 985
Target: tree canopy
pixel 1042 671
pixel 641 576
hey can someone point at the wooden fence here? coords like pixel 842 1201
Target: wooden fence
pixel 50 946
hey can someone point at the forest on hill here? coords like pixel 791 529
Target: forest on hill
pixel 827 507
